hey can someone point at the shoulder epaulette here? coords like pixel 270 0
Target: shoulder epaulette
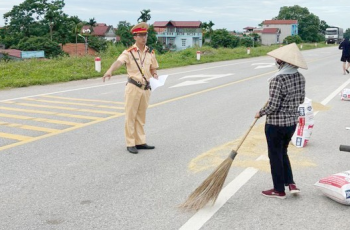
pixel 131 48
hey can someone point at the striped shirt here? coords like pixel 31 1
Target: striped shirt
pixel 286 93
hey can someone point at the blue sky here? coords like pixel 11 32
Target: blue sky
pixel 229 14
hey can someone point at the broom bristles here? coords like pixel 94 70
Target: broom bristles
pixel 209 189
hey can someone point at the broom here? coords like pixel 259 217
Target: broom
pixel 210 188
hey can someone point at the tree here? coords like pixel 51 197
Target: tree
pixel 323 27
pixel 25 19
pixel 309 24
pixel 92 23
pixel 51 48
pixel 145 16
pixel 347 33
pixel 53 14
pixel 123 32
pixel 152 40
pixel 76 27
pixel 39 18
pixel 207 29
pixel 210 28
pixel 222 38
pixel 310 29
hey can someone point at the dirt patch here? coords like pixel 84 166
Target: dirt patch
pixel 253 153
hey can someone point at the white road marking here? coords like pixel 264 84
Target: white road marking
pixel 335 93
pixel 64 91
pixel 203 215
pixel 189 71
pixel 213 67
pixel 206 79
pixel 263 65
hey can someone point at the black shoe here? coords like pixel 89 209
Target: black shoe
pixel 347 71
pixel 132 149
pixel 144 146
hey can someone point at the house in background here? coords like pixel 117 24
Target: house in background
pixel 286 28
pixel 178 35
pixel 270 36
pixel 101 30
pixel 248 30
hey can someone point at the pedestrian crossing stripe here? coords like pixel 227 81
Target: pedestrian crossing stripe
pixel 81 99
pixel 49 113
pixel 74 103
pixel 14 136
pixel 64 108
pixel 87 111
pixel 28 127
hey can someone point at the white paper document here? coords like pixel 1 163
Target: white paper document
pixel 155 83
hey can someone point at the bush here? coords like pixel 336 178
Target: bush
pixel 246 42
pixel 97 43
pixel 222 38
pixel 291 39
pixel 5 57
pixel 51 48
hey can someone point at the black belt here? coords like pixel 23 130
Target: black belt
pixel 139 84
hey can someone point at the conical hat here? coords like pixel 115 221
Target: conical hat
pixel 289 54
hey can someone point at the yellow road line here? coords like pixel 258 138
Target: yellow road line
pixel 81 99
pixel 58 132
pixel 39 119
pixel 28 127
pixel 63 108
pixel 14 136
pixel 73 103
pixel 118 115
pixel 210 89
pixel 49 113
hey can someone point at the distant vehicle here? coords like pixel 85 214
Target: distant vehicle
pixel 334 35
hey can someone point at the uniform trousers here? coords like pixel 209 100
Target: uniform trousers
pixel 136 104
pixel 278 138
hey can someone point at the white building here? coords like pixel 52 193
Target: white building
pixel 270 35
pixel 179 35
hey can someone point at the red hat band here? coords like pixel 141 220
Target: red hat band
pixel 139 30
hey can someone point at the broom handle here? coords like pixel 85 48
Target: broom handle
pixel 233 153
pixel 246 134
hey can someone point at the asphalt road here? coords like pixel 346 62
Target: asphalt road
pixel 64 164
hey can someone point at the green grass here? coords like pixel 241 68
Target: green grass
pixel 40 72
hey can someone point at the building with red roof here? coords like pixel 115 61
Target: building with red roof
pixel 270 36
pixel 275 31
pixel 248 30
pixel 179 35
pixel 101 30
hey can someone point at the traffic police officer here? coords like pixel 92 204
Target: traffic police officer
pixel 141 65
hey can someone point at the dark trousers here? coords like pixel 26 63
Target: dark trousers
pixel 278 138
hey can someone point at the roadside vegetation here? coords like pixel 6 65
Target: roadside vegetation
pixel 63 69
pixel 43 25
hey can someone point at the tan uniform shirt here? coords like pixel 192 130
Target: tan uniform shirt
pixel 145 59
